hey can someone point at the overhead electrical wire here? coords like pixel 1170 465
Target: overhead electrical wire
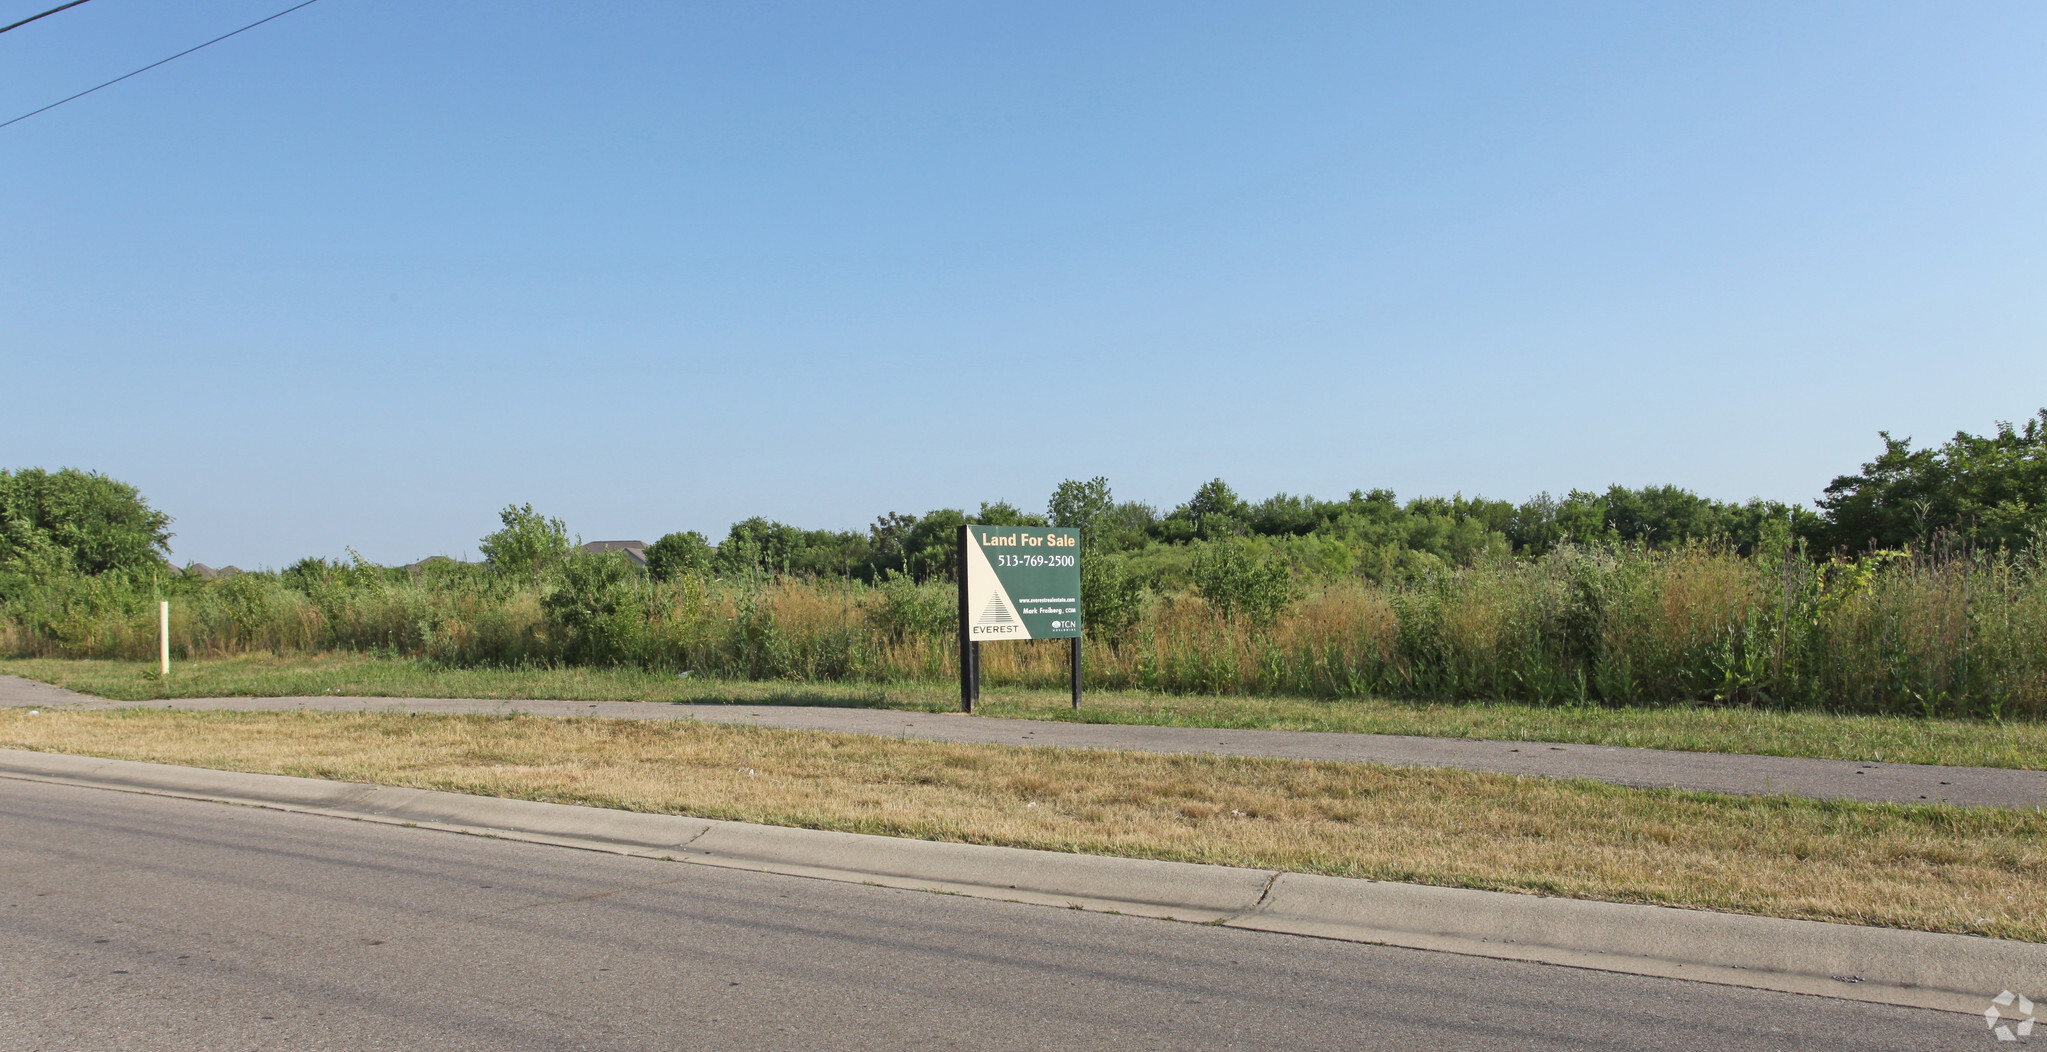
pixel 153 65
pixel 46 14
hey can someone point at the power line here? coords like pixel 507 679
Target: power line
pixel 46 14
pixel 153 65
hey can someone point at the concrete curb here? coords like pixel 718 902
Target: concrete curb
pixel 1954 973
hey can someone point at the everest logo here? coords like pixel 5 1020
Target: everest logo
pixel 997 618
pixel 2021 1016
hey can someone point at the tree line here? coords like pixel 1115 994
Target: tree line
pixel 1985 491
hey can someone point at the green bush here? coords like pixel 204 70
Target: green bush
pixel 1239 583
pixel 1112 597
pixel 594 613
pixel 899 608
pixel 528 545
pixel 676 554
pixel 77 520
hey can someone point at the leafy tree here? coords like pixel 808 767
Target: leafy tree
pixel 933 544
pixel 82 520
pixel 1988 489
pixel 1111 597
pixel 763 545
pixel 1104 525
pixel 1663 514
pixel 1286 515
pixel 744 549
pixel 676 554
pixel 1366 520
pixel 1126 526
pixel 1080 505
pixel 1457 529
pixel 1653 516
pixel 1214 511
pixel 929 544
pixel 1758 524
pixel 1545 522
pixel 833 553
pixel 888 543
pixel 1003 513
pixel 527 545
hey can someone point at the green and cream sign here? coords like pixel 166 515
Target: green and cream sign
pixel 1022 582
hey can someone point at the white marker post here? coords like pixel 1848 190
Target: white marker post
pixel 163 637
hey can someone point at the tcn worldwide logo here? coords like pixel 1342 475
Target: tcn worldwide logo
pixel 2010 1016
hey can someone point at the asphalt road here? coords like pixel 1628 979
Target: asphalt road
pixel 139 922
pixel 1640 768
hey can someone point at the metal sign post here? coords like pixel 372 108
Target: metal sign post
pixel 1076 673
pixel 1016 582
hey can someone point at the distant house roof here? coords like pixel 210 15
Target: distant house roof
pixel 635 551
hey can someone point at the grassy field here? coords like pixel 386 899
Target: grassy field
pixel 1893 739
pixel 1936 634
pixel 1937 868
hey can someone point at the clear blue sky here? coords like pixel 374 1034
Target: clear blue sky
pixel 365 274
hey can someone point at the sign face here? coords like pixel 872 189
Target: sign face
pixel 1022 582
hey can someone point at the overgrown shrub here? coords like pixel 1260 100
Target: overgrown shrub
pixel 594 613
pixel 528 545
pixel 677 554
pixel 1239 583
pixel 1952 632
pixel 76 520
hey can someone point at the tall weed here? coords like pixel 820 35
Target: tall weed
pixel 1944 633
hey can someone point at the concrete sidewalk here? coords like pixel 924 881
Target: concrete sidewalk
pixel 1954 973
pixel 1639 768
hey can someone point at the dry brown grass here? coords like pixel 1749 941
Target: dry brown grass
pixel 1980 870
pixel 1734 729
